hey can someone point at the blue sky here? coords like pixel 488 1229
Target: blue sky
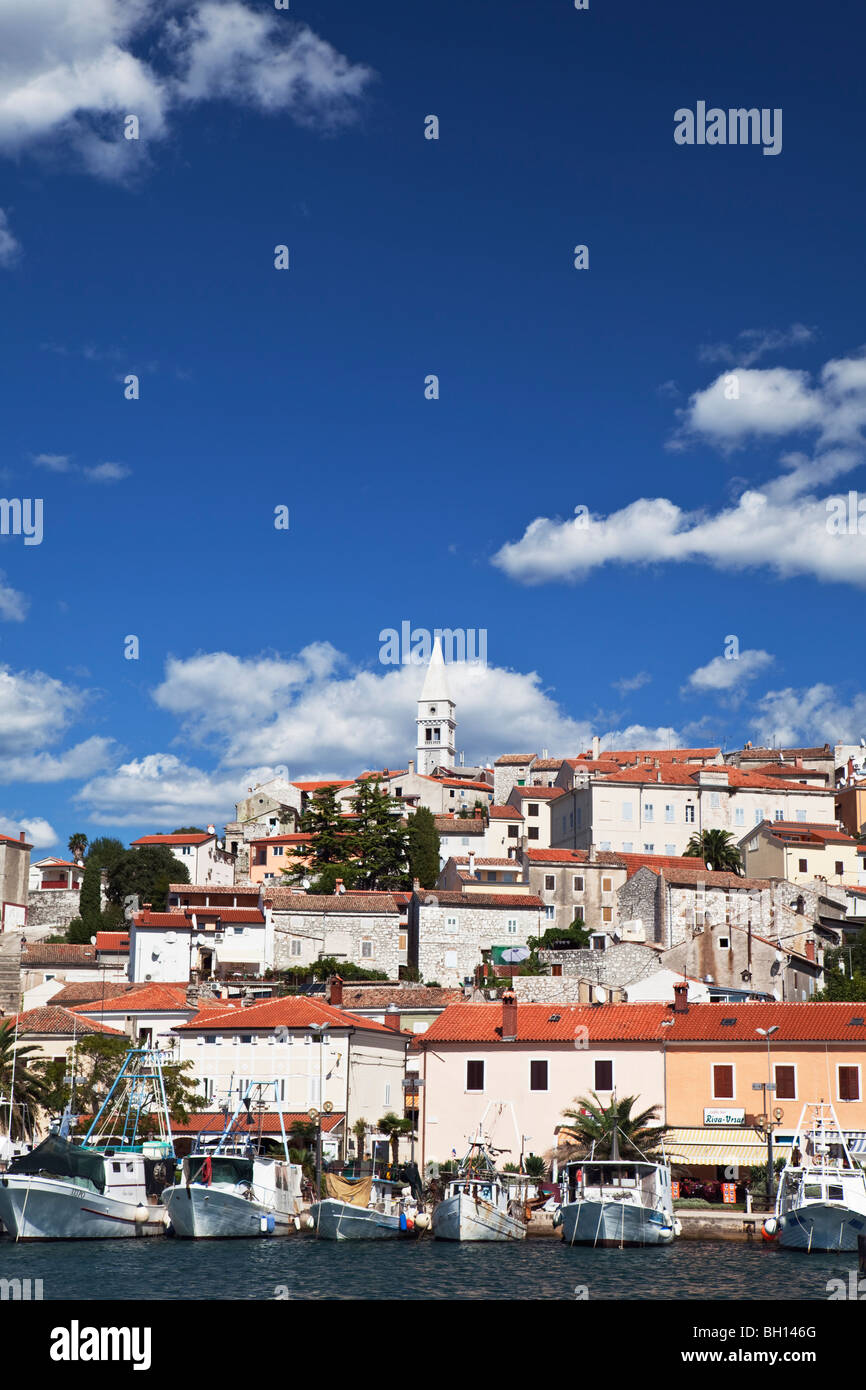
pixel 559 388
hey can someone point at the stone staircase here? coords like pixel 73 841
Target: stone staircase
pixel 10 972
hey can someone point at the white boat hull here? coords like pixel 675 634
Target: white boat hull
pixel 821 1226
pixel 212 1213
pixel 462 1218
pixel 334 1220
pixel 598 1222
pixel 43 1208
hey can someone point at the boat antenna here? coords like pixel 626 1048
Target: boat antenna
pixel 614 1138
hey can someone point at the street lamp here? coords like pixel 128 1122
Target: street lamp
pixel 768 1086
pixel 412 1084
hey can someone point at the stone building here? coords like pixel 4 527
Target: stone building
pixel 366 929
pixel 450 933
pixel 14 881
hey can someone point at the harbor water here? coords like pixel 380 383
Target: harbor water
pixel 303 1267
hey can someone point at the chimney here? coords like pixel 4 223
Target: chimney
pixel 681 998
pixel 248 999
pixel 335 998
pixel 596 746
pixel 22 836
pixel 471 863
pixel 392 1017
pixel 411 766
pixel 810 950
pixel 509 1016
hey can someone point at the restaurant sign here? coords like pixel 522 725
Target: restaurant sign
pixel 724 1117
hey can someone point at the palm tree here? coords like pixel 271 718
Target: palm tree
pixel 30 1091
pixel 717 849
pixel 591 1122
pixel 77 846
pixel 394 1127
pixel 360 1130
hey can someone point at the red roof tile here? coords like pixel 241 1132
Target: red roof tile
pixel 112 941
pixel 145 998
pixel 54 1019
pixel 292 1011
pixel 172 839
pixel 513 759
pixel 214 1122
pixel 504 813
pixel 538 793
pixel 448 897
pixel 290 900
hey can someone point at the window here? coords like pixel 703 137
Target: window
pixel 801 815
pixel 605 845
pixel 451 926
pixel 578 884
pixel 723 1083
pixel 649 811
pixel 606 885
pixel 451 960
pixel 550 913
pixel 669 815
pixel 599 943
pixel 803 865
pixel 277 849
pixel 649 849
pixel 778 815
pixel 715 801
pixel 690 814
pixel 759 815
pixel 627 846
pixel 398 791
pixel 533 833
pixel 603 1076
pixel 387 1093
pixel 475 1076
pixel 849 1083
pixel 607 914
pixel 512 926
pixel 366 949
pixel 670 849
pixel 626 810
pixel 428 734
pixel 550 882
pixel 185 849
pixel 724 943
pixel 786 1083
pixel 739 816
pixel 840 867
pixel 532 808
pixel 538 1076
pixel 512 832
pixel 401 941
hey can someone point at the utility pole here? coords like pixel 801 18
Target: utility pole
pixel 768 1087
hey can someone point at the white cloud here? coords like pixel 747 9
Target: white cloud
pixel 754 343
pixel 629 683
pixel 36 711
pixel 81 760
pixel 782 526
pixel 10 249
pixel 107 472
pixel 39 832
pixel 724 674
pixel 814 714
pixel 13 605
pixel 158 789
pixel 74 69
pixel 55 463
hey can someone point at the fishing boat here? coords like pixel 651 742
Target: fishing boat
pixel 616 1201
pixel 230 1187
pixel 821 1202
pixel 368 1208
pixel 108 1186
pixel 476 1204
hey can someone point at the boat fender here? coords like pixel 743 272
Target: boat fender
pixel 678 1226
pixel 422 1221
pixel 557 1217
pixel 770 1228
pixel 267 1224
pixel 141 1215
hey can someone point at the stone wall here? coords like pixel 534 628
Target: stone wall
pixel 339 934
pixel 448 951
pixel 53 907
pixel 618 966
pixel 560 989
pixel 10 972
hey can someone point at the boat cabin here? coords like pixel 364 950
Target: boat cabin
pixel 615 1180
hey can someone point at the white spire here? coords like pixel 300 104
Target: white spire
pixel 435 682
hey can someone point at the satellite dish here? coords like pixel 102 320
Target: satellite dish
pixel 709 866
pixel 170 938
pixel 598 994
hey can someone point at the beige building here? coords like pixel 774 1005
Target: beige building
pixel 802 852
pixel 14 881
pixel 538 806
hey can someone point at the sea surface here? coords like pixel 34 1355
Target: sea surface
pixel 304 1267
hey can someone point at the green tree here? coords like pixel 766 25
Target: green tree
pixel 717 848
pixel 105 851
pixel 90 900
pixel 189 830
pixel 27 1096
pixel 591 1121
pixel 423 847
pixel 330 839
pixel 394 1126
pixel 77 845
pixel 379 837
pixel 360 1129
pixel 577 934
pixel 534 1166
pixel 145 871
pixel 844 974
pixel 326 879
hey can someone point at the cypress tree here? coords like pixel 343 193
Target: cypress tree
pixel 424 847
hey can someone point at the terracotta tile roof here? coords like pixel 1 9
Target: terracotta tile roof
pixel 684 774
pixel 55 863
pixel 627 755
pixel 292 1011
pixel 288 900
pixel 504 813
pixel 38 953
pixel 299 838
pixel 474 1023
pixel 144 998
pixel 181 918
pixel 448 897
pixel 538 793
pixel 713 878
pixel 13 840
pixel 245 890
pixel 112 941
pixel 607 858
pixel 460 825
pixel 54 1019
pixel 172 839
pixel 514 759
pixel 804 832
pixel 462 782
pixel 662 863
pixel 405 997
pixel 777 754
pixel 487 863
pixel 547 764
pixel 88 990
pixel 214 1122
pixel 328 782
pixel 594 764
pixel 385 772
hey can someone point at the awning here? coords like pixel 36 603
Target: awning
pixel 720 1145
